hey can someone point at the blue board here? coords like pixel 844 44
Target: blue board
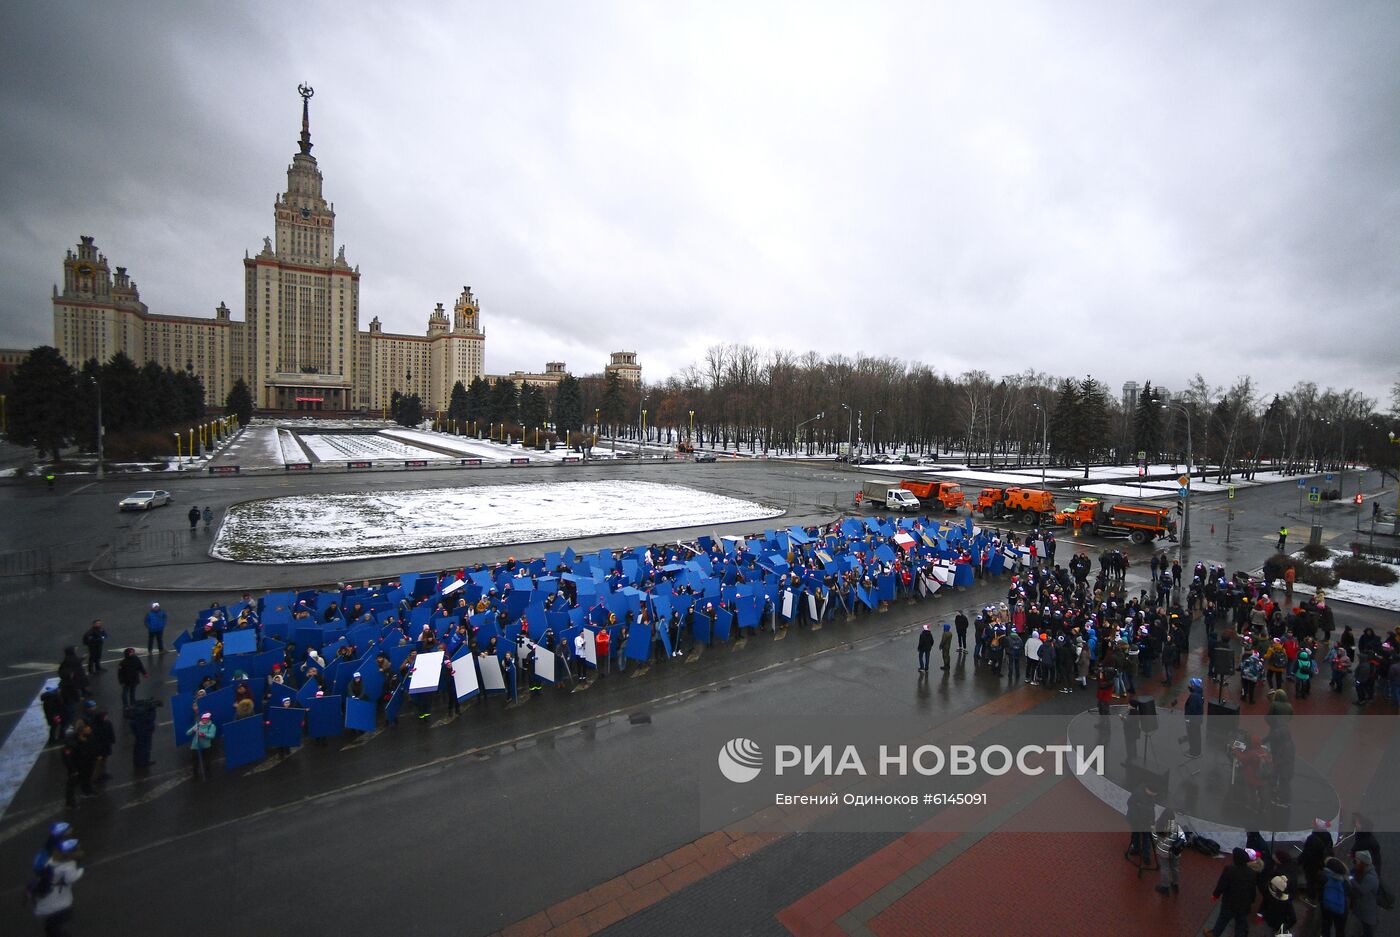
pixel 360 714
pixel 323 718
pixel 284 727
pixel 244 742
pixel 244 641
pixel 193 651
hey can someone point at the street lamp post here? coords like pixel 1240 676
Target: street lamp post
pixel 797 435
pixel 850 424
pixel 874 437
pixel 98 385
pixel 1185 498
pixel 1044 440
pixel 691 438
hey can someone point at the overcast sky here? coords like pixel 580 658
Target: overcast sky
pixel 1133 190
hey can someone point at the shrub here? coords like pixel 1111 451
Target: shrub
pixel 1316 553
pixel 1357 569
pixel 1319 577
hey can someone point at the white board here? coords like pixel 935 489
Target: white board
pixel 590 647
pixel 464 677
pixel 453 586
pixel 544 662
pixel 1040 548
pixel 812 606
pixel 491 676
pixel 787 603
pixel 941 574
pixel 427 672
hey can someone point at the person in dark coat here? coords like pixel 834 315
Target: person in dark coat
pixel 94 639
pixel 945 646
pixel 925 648
pixel 130 673
pixel 1236 888
pixel 1142 816
pixel 1194 711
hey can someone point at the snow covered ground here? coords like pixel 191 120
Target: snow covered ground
pixel 257 445
pixel 473 448
pixel 350 447
pixel 287 444
pixel 1362 593
pixel 1127 491
pixel 316 528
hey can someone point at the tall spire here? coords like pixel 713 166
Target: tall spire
pixel 306 91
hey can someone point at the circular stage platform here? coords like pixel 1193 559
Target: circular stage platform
pixel 1207 796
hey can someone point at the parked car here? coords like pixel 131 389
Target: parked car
pixel 705 457
pixel 144 500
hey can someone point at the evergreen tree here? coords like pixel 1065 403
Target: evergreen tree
pixel 85 406
pixel 568 405
pixel 240 402
pixel 124 402
pixel 410 410
pixel 479 400
pixel 503 408
pixel 1093 421
pixel 457 404
pixel 1064 422
pixel 40 406
pixel 191 394
pixel 613 401
pixel 395 403
pixel 1147 423
pixel 534 407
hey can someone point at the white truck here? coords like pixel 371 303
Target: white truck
pixel 879 493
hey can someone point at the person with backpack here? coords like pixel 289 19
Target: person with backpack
pixel 1334 903
pixel 1303 670
pixel 51 889
pixel 1276 664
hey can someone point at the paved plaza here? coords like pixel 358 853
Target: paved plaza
pixel 570 813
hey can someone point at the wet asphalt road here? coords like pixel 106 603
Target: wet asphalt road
pixel 464 826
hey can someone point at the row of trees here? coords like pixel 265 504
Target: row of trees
pixel 50 404
pixel 777 402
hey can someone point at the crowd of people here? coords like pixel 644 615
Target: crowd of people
pixel 1076 626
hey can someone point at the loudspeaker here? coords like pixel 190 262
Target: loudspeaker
pixel 1144 708
pixel 1156 780
pixel 1222 661
pixel 1222 719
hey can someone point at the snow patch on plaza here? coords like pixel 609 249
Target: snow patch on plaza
pixel 1360 593
pixel 363 525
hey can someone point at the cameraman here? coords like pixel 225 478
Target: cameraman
pixel 141 718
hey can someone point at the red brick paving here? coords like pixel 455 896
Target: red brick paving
pixel 941 903
pixel 1088 884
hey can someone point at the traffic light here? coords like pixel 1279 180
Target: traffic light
pixel 1357 498
pixel 1178 506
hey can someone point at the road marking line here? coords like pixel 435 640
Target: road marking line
pixel 160 789
pixel 20 751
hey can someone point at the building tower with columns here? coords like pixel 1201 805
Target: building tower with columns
pixel 299 346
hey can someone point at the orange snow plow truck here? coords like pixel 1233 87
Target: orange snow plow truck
pixel 1140 523
pixel 1029 506
pixel 948 494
